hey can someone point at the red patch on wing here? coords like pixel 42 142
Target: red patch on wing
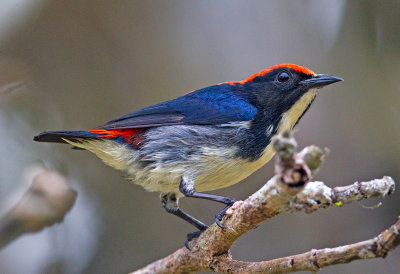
pixel 133 136
pixel 295 67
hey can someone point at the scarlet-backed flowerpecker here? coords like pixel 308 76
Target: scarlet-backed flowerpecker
pixel 208 139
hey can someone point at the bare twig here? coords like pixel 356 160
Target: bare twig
pixel 287 191
pixel 317 195
pixel 316 259
pixel 45 203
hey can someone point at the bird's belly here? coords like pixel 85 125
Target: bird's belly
pixel 210 169
pixel 231 172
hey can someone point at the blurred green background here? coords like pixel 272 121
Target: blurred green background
pixel 77 64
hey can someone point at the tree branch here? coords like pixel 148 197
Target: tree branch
pixel 287 191
pixel 45 203
pixel 316 259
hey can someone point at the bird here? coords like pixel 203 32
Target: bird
pixel 207 139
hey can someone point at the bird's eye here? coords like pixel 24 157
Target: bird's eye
pixel 283 77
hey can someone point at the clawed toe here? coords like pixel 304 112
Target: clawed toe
pixel 191 236
pixel 218 217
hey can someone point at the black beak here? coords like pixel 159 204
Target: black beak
pixel 320 80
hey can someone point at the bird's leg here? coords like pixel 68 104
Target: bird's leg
pixel 170 204
pixel 188 190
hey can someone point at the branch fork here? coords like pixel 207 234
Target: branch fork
pixel 288 191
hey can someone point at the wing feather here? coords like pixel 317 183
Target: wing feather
pixel 208 106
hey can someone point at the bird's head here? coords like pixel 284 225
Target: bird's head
pixel 283 92
pixel 284 85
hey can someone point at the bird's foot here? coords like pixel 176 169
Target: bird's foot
pixel 191 236
pixel 220 215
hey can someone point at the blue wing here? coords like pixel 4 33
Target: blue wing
pixel 208 106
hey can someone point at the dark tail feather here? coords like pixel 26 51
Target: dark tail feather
pixel 57 136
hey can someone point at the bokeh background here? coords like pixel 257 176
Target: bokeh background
pixel 76 64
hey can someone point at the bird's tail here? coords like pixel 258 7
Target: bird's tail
pixel 63 136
